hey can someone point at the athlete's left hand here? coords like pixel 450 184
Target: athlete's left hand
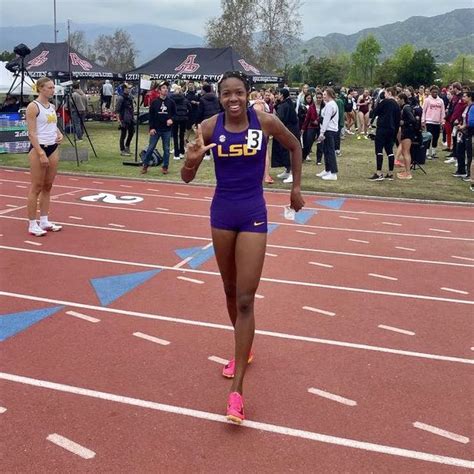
pixel 59 138
pixel 296 200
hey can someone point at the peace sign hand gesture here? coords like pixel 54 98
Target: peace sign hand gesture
pixel 197 149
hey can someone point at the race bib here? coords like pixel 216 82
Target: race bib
pixel 254 139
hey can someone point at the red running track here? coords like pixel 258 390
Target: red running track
pixel 143 406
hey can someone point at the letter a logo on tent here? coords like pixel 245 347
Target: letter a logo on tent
pixel 188 66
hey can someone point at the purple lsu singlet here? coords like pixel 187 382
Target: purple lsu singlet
pixel 239 162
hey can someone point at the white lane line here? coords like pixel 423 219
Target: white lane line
pixel 463 258
pixel 333 397
pixel 1 235
pixel 75 218
pixel 191 280
pixel 71 179
pixel 452 290
pixel 152 338
pixel 401 331
pixel 21 186
pixel 440 432
pixel 188 259
pixel 408 249
pixel 2 410
pixel 119 226
pixel 383 277
pixel 11 209
pixel 182 194
pixel 219 360
pixel 350 218
pixel 325 265
pixel 279 335
pixel 359 241
pixel 98 182
pixel 320 311
pixel 472 348
pixel 395 224
pixel 306 232
pixel 441 230
pixel 11 205
pixel 259 297
pixel 271 254
pixel 83 316
pixel 9 171
pixel 161 209
pixel 269 428
pixel 32 243
pixel 125 186
pixel 151 189
pixel 71 446
pixel 265 279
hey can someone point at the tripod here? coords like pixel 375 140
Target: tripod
pixel 68 100
pixel 20 75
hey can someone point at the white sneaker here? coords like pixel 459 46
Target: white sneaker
pixel 36 230
pixel 330 177
pixel 176 157
pixel 338 152
pixel 289 179
pixel 283 175
pixel 322 173
pixel 207 157
pixel 49 226
pixel 451 160
pixel 181 157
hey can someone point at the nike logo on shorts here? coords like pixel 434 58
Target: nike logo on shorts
pixel 258 223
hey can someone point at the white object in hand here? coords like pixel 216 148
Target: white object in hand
pixel 289 213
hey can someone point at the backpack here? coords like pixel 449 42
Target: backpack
pixel 156 160
pixel 348 104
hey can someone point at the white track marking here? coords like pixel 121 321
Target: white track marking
pixel 205 324
pixel 219 360
pixel 383 277
pixel 83 316
pixel 283 247
pixel 9 171
pixel 191 280
pixel 71 446
pixel 97 182
pixel 72 179
pixel 33 243
pixel 182 194
pixel 119 226
pixel 271 254
pixel 401 331
pixel 271 280
pixel 325 265
pixel 154 190
pixel 206 216
pixel 11 205
pixel 152 338
pixel 349 217
pixel 188 259
pixel 441 230
pixel 319 209
pixel 2 410
pixel 408 249
pixel 320 311
pixel 269 428
pixel 463 258
pixel 395 224
pixel 259 297
pixel 21 186
pixel 76 218
pixel 472 348
pixel 359 241
pixel 161 209
pixel 11 209
pixel 452 290
pixel 125 186
pixel 306 232
pixel 440 432
pixel 331 396
pixel 1 235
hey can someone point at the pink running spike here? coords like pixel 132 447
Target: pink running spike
pixel 229 370
pixel 235 408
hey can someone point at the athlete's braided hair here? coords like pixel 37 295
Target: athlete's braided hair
pixel 236 75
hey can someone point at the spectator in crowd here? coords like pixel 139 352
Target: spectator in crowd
pixel 11 104
pixel 269 99
pixel 208 106
pixel 107 93
pixel 310 126
pixel 193 98
pixel 433 118
pixel 456 96
pixel 319 105
pixel 151 95
pixel 300 99
pixel 363 109
pixel 328 134
pixel 387 113
pixel 125 114
pixel 408 125
pixel 285 111
pixel 78 110
pixel 455 117
pixel 162 111
pixel 464 138
pixel 180 120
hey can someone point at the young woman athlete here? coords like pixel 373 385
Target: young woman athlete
pixel 238 138
pixel 45 137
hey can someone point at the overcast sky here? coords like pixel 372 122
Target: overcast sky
pixel 319 17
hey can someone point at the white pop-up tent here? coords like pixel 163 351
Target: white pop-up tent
pixel 6 81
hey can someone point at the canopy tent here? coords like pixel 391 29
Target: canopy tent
pixel 199 64
pixel 7 79
pixel 58 61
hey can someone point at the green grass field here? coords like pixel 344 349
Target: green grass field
pixel 356 164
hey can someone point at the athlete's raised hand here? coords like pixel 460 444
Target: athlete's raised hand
pixel 197 149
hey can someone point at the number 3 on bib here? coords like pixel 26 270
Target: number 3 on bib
pixel 254 139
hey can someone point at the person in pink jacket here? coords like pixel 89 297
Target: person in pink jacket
pixel 433 118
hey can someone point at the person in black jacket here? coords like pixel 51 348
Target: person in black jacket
pixel 285 111
pixel 208 106
pixel 162 111
pixel 193 98
pixel 124 111
pixel 408 125
pixel 387 112
pixel 180 120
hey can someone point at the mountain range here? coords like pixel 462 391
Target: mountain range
pixel 447 36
